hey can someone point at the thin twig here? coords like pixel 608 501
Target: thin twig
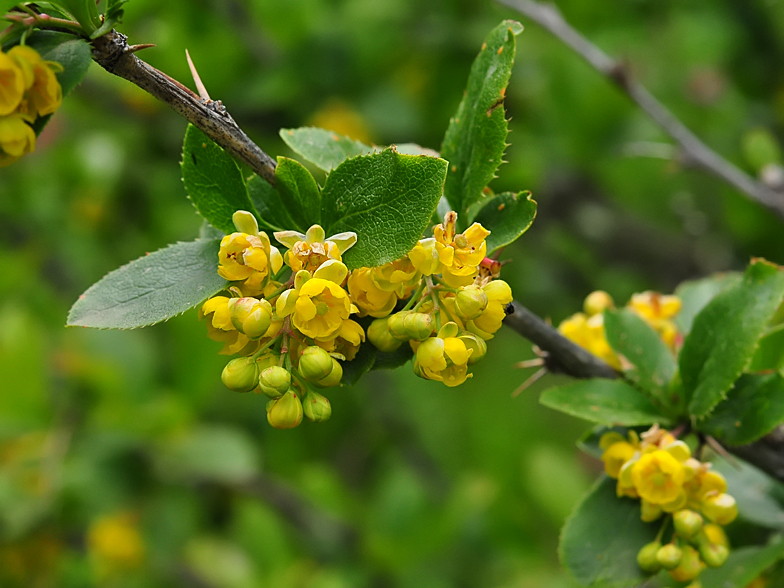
pixel 112 52
pixel 694 151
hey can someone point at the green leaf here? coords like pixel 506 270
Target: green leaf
pixel 299 193
pixel 654 364
pixel 600 540
pixel 476 137
pixel 325 149
pixel 753 408
pixel 361 364
pixel 744 565
pixel 7 5
pixel 695 294
pixel 387 199
pixel 506 216
pixel 770 352
pixel 589 441
pixel 268 203
pixel 394 359
pixel 607 402
pixel 754 491
pixel 213 181
pixel 725 333
pixel 414 149
pixel 151 289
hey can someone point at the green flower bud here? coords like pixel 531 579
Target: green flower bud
pixel 720 508
pixel 417 369
pixel 470 302
pixel 690 567
pixel 418 325
pixel 241 374
pixel 396 327
pixel 597 302
pixel 315 364
pixel 687 523
pixel 669 556
pixel 285 412
pixel 317 408
pixel 714 555
pixel 334 377
pixel 300 278
pixel 250 316
pixel 245 222
pixel 650 512
pixel 449 329
pixel 378 334
pixel 476 343
pixel 274 381
pixel 646 558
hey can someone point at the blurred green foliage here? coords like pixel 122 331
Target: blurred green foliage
pixel 123 460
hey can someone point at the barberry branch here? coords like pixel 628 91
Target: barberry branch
pixel 112 52
pixel 693 152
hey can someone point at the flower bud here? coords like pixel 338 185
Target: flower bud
pixel 396 327
pixel 315 364
pixel 669 556
pixel 597 302
pixel 241 374
pixel 285 412
pixel 646 557
pixel 713 533
pixel 245 222
pixel 418 325
pixel 476 343
pixel 470 302
pixel 649 512
pixel 316 407
pixel 378 334
pixel 687 523
pixel 274 381
pixel 250 316
pixel 690 567
pixel 679 450
pixel 334 377
pixel 714 555
pixel 720 508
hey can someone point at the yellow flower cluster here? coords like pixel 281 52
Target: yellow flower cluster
pixel 292 332
pixel 586 328
pixel 28 90
pixel 659 469
pixel 115 544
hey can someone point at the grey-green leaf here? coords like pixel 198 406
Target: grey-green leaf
pixel 299 193
pixel 475 140
pixel 654 363
pixel 152 288
pixel 324 149
pixel 506 216
pixel 607 402
pixel 725 333
pixel 387 199
pixel 754 491
pixel 601 538
pixel 213 181
pixel 268 203
pixel 753 408
pixel 744 565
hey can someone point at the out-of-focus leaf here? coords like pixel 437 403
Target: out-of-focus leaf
pixel 213 181
pixel 754 491
pixel 324 149
pixel 725 333
pixel 361 364
pixel 770 352
pixel 607 402
pixel 390 361
pixel 601 538
pixel 506 216
pixel 299 193
pixel 151 289
pixel 269 205
pixel 695 294
pixel 387 199
pixel 753 408
pixel 475 140
pixel 654 364
pixel 744 565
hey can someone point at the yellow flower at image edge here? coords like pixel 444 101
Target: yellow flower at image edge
pixel 615 456
pixel 17 138
pixel 12 85
pixel 116 543
pixel 43 92
pixel 658 477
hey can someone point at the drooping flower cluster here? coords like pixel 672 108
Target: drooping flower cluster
pixel 586 328
pixel 293 332
pixel 661 471
pixel 28 90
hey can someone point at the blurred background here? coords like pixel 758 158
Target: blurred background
pixel 124 461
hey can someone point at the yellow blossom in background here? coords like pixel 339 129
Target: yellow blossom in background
pixel 615 456
pixel 17 138
pixel 347 342
pixel 115 543
pixel 588 333
pixel 658 310
pixel 12 85
pixel 369 298
pixel 658 477
pixel 398 276
pixel 43 94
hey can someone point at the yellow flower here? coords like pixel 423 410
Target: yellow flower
pixel 319 305
pixel 17 138
pixel 589 334
pixel 43 92
pixel 429 257
pixel 443 358
pixel 658 477
pixel 468 250
pixel 350 337
pixel 12 85
pixel 658 311
pixel 398 276
pixel 243 256
pixel 499 294
pixel 615 456
pixel 116 543
pixel 311 250
pixel 221 329
pixel 370 299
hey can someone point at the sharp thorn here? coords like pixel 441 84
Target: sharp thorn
pixel 135 48
pixel 197 80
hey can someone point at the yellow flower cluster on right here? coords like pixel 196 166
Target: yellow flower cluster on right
pixel 659 469
pixel 28 90
pixel 586 329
